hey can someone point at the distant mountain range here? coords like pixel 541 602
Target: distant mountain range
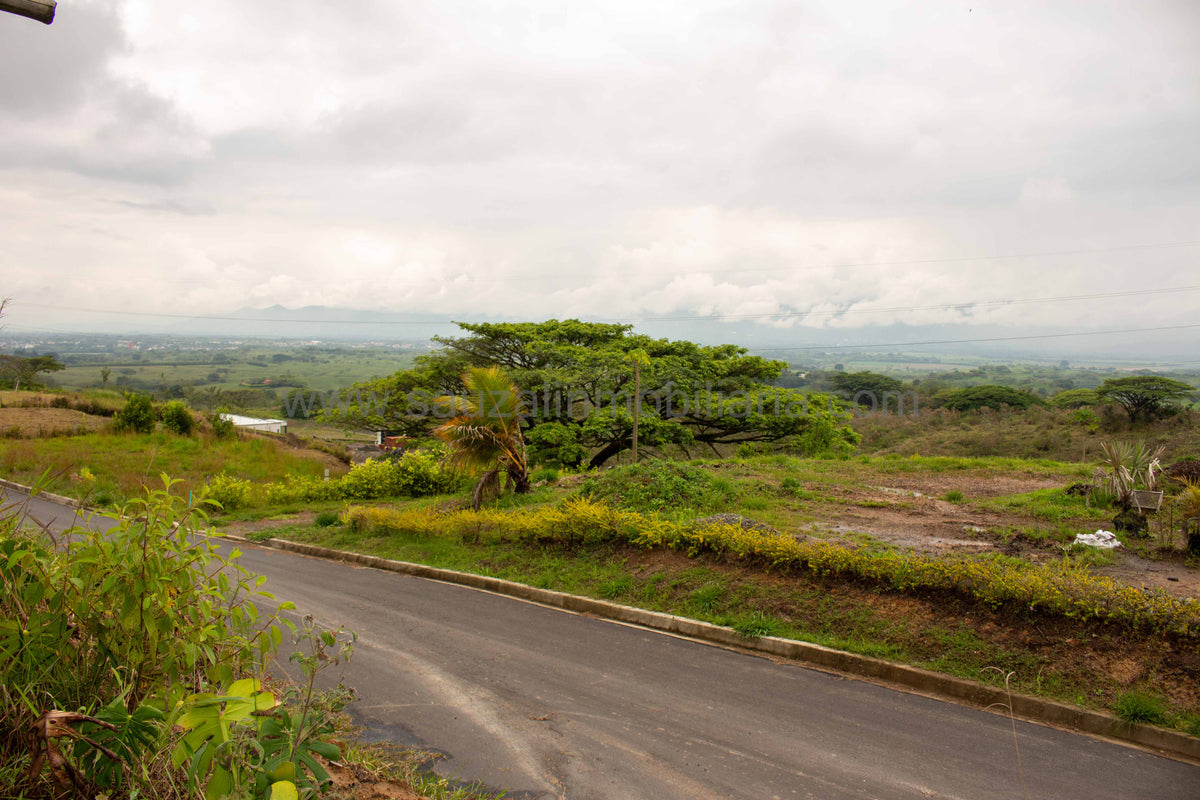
pixel 798 344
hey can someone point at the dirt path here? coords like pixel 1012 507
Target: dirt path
pixel 909 513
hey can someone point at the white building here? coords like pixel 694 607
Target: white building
pixel 256 424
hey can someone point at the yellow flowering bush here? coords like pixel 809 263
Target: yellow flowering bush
pixel 1052 588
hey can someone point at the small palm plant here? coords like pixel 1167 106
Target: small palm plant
pixel 1125 467
pixel 485 432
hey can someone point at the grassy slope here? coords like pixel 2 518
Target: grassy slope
pixel 123 463
pixel 1037 433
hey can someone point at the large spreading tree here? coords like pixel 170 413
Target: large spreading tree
pixel 579 384
pixel 1145 397
pixel 17 372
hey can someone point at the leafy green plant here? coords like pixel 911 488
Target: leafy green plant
pixel 327 518
pixel 953 496
pixel 228 490
pixel 178 419
pixel 137 415
pixel 543 475
pixel 245 741
pixel 661 486
pixel 222 426
pixel 119 624
pixel 1085 418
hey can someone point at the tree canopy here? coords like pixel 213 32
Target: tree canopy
pixel 987 396
pixel 1075 398
pixel 1145 397
pixel 868 388
pixel 578 381
pixel 18 372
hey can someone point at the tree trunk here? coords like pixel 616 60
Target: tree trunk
pixel 41 10
pixel 608 451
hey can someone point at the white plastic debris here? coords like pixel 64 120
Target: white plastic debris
pixel 1105 540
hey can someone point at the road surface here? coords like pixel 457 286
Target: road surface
pixel 549 704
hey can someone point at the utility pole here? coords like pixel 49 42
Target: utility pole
pixel 638 357
pixel 41 10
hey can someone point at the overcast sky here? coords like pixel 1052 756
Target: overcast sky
pixel 604 159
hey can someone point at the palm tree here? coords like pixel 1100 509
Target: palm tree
pixel 485 431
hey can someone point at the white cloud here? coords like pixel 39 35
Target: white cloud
pixel 625 160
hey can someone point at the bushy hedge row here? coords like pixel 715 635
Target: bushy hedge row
pixel 1053 588
pixel 417 473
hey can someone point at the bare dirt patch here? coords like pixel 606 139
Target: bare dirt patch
pixel 351 783
pixel 31 422
pixel 907 510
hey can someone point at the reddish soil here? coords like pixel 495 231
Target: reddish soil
pixel 352 783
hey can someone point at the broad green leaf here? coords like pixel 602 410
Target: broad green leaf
pixel 284 772
pixel 325 749
pixel 219 785
pixel 284 790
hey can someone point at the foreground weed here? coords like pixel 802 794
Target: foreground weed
pixel 1140 707
pixel 708 597
pixel 617 587
pixel 1008 676
pixel 759 624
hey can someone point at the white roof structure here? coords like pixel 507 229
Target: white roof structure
pixel 254 423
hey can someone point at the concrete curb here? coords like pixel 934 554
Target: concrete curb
pixel 961 690
pixel 56 498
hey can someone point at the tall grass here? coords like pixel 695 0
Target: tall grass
pixel 120 465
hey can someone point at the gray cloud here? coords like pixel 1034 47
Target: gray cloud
pixel 625 160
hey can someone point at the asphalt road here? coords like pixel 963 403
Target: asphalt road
pixel 553 705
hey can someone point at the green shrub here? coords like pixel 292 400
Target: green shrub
pixel 222 428
pixel 416 473
pixel 177 418
pixel 327 519
pixel 546 474
pixel 823 439
pixel 953 496
pixel 230 491
pixel 136 416
pixel 301 489
pixel 1085 418
pixel 662 486
pixel 120 625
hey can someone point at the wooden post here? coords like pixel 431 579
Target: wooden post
pixel 41 10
